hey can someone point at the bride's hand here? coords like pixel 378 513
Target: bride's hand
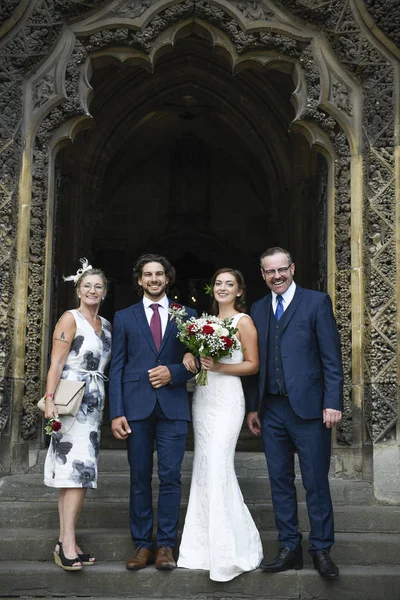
pixel 208 364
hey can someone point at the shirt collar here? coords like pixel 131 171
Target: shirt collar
pixel 286 296
pixel 164 302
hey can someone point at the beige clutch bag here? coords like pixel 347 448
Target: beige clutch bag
pixel 67 398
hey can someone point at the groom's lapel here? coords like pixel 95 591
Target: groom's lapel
pixel 141 318
pixel 293 306
pixel 267 311
pixel 168 330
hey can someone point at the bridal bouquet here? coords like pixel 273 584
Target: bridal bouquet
pixel 206 336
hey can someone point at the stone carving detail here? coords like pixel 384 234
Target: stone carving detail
pixel 387 17
pixel 254 10
pixel 341 96
pixel 43 90
pixel 343 277
pixel 131 10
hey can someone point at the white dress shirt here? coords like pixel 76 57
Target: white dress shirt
pixel 287 297
pixel 162 310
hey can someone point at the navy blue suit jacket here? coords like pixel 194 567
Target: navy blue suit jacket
pixel 133 354
pixel 310 350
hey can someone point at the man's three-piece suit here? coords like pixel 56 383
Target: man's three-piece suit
pixel 300 375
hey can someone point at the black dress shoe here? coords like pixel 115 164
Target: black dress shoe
pixel 284 560
pixel 324 564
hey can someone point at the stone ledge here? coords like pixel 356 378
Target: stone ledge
pixel 116 545
pixel 112 579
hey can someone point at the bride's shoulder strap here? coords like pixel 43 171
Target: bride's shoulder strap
pixel 240 315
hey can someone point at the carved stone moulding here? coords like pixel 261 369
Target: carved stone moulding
pixel 386 15
pixel 380 415
pixel 343 317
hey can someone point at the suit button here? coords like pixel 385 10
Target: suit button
pixel 158 362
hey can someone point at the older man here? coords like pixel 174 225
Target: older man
pixel 294 402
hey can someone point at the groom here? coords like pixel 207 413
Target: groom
pixel 149 403
pixel 294 402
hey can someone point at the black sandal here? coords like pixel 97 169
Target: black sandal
pixel 68 564
pixel 85 559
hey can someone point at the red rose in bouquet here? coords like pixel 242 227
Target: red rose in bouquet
pixel 207 329
pixel 228 341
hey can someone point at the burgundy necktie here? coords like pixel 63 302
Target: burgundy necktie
pixel 155 325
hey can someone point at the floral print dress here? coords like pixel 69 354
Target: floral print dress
pixel 71 460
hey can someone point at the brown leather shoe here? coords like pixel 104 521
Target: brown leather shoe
pixel 165 559
pixel 140 560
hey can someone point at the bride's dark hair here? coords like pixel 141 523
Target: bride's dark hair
pixel 240 301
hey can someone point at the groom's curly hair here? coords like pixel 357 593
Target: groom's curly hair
pixel 240 302
pixel 147 258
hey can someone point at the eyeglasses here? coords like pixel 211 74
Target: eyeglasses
pixel 280 271
pixel 97 286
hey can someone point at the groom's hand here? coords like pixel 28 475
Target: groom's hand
pixel 120 428
pixel 160 376
pixel 253 422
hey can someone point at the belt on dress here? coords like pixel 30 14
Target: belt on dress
pixel 87 373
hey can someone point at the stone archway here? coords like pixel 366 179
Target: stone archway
pixel 188 157
pixel 345 105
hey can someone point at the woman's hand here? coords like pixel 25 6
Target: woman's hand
pixel 190 362
pixel 209 364
pixel 50 409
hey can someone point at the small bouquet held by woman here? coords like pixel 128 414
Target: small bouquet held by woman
pixel 206 336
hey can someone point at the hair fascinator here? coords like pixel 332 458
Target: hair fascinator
pixel 85 267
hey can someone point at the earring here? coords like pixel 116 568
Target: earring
pixel 103 297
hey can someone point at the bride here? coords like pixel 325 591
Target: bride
pixel 219 533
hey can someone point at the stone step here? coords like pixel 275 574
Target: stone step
pixel 255 489
pixel 116 545
pixel 111 579
pixel 115 513
pixel 246 464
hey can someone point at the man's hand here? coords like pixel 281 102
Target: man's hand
pixel 331 417
pixel 190 362
pixel 120 428
pixel 159 376
pixel 253 422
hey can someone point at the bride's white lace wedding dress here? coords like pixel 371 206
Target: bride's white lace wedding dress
pixel 219 533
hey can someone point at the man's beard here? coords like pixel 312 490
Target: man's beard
pixel 155 292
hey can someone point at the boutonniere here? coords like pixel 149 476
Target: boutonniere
pixel 177 311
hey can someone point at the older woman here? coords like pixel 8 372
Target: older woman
pixel 81 351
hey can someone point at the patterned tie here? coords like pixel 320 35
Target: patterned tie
pixel 155 325
pixel 279 307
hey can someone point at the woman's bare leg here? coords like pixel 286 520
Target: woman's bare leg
pixel 70 504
